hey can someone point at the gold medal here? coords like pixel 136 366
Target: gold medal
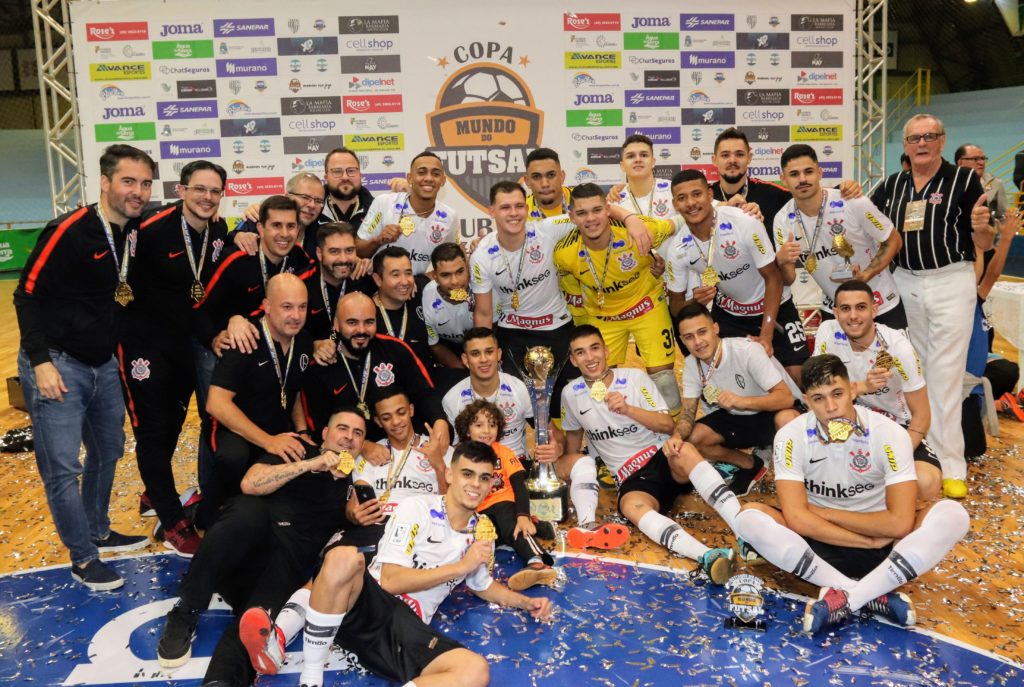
pixel 884 360
pixel 284 400
pixel 711 393
pixel 197 291
pixel 364 409
pixel 346 463
pixel 383 498
pixel 515 300
pixel 407 225
pixel 598 391
pixel 839 430
pixel 458 295
pixel 811 263
pixel 709 277
pixel 123 294
pixel 599 299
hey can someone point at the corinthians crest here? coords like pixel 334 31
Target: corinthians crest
pixel 483 124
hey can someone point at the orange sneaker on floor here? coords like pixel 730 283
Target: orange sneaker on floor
pixel 595 535
pixel 1008 403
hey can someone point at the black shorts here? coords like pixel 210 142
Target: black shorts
pixel 655 478
pixel 387 637
pixel 363 538
pixel 742 431
pixel 896 318
pixel 852 562
pixel 788 342
pixel 925 454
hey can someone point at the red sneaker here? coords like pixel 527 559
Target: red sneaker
pixel 263 640
pixel 182 539
pixel 146 509
pixel 1011 405
pixel 595 535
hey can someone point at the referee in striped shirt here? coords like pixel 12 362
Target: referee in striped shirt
pixel 940 212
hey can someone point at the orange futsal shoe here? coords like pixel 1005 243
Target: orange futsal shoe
pixel 594 535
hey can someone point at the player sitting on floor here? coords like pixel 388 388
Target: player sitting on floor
pixel 847 488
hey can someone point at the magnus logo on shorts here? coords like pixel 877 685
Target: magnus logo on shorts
pixel 223 28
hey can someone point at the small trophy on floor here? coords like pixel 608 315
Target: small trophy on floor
pixel 746 603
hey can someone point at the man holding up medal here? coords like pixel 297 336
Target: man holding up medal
pixel 178 250
pixel 69 299
pixel 824 231
pixel 448 305
pixel 847 492
pixel 885 373
pixel 252 395
pixel 746 397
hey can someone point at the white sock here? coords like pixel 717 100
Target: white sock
pixel 920 551
pixel 583 489
pixel 671 535
pixel 787 550
pixel 316 645
pixel 292 616
pixel 712 489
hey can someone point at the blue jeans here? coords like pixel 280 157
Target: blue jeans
pixel 204 362
pixel 92 413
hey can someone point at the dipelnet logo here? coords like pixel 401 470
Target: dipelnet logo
pixel 234 28
pixel 117 31
pixel 194 109
pixel 811 132
pixel 817 96
pixel 707 22
pixel 256 186
pixel 361 142
pixel 652 98
pixel 189 149
pixel 708 60
pixel 311 106
pixel 132 131
pixel 236 68
pixel 380 23
pixel 372 83
pixel 314 45
pixel 651 41
pixel 372 64
pixel 572 21
pixel 807 77
pixel 483 125
pixel 593 60
pixel 182 50
pixel 119 71
pixel 817 22
pixel 658 135
pixel 360 104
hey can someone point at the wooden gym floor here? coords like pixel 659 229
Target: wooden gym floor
pixel 976 595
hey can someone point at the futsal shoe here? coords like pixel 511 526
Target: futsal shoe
pixel 831 609
pixel 532 575
pixel 594 535
pixel 545 528
pixel 748 554
pixel 717 564
pixel 745 479
pixel 954 488
pixel 263 640
pixel 895 606
pixel 1008 403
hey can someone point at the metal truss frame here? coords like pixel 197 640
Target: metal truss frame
pixel 51 25
pixel 870 92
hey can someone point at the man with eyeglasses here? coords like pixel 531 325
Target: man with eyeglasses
pixel 941 214
pixel 178 250
pixel 347 198
pixel 970 155
pixel 308 193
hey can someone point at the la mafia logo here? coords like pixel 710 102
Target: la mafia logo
pixel 483 125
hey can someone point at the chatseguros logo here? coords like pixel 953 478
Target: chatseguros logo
pixel 483 125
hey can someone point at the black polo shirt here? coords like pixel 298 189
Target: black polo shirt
pixel 415 329
pixel 770 198
pixel 949 197
pixel 356 212
pixel 312 502
pixel 320 317
pixel 253 378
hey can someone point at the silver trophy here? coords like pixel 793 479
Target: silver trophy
pixel 549 496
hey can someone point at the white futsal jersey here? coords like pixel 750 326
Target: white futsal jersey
pixel 444 320
pixel 851 475
pixel 512 398
pixel 744 369
pixel 415 476
pixel 624 445
pixel 419 536
pixel 529 271
pixel 906 370
pixel 428 233
pixel 739 246
pixel 864 227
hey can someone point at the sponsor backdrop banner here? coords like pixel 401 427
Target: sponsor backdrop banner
pixel 266 90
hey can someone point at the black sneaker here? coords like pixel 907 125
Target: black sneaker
pixel 545 529
pixel 175 647
pixel 745 479
pixel 97 576
pixel 115 541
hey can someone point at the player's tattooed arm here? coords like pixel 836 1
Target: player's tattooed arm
pixel 687 418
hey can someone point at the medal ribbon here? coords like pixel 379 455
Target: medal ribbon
pixel 361 389
pixel 709 259
pixel 263 266
pixel 196 269
pixel 387 319
pixel 519 271
pixel 281 378
pixel 121 266
pixel 817 224
pixel 599 283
